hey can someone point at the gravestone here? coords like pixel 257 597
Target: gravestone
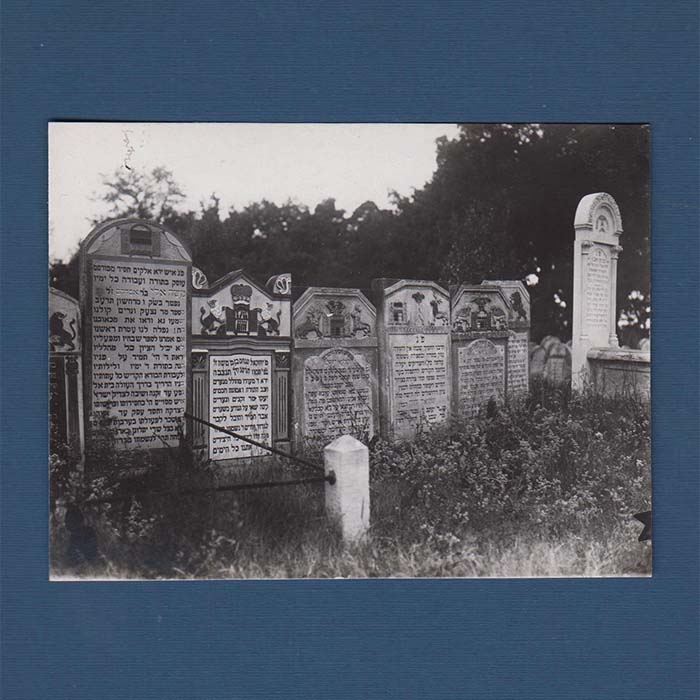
pixel 335 364
pixel 538 359
pixel 413 322
pixel 598 227
pixel 241 365
pixel 135 279
pixel 557 367
pixel 480 336
pixel 65 369
pixel 518 352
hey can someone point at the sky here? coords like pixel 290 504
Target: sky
pixel 240 163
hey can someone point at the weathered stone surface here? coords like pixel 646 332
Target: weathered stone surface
pixel 558 363
pixel 618 372
pixel 135 284
pixel 538 359
pixel 480 338
pixel 481 374
pixel 415 359
pixel 335 364
pixel 518 360
pixel 338 389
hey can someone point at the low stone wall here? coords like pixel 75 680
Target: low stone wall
pixel 620 371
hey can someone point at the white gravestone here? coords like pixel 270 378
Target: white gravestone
pixel 598 227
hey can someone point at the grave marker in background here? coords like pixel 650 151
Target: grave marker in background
pixel 135 279
pixel 65 369
pixel 334 365
pixel 413 321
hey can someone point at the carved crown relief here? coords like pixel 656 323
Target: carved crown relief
pixel 239 315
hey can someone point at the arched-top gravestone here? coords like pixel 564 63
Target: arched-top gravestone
pixel 598 227
pixel 135 286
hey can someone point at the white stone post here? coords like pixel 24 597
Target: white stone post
pixel 347 500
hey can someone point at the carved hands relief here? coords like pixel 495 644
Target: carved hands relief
pixel 418 308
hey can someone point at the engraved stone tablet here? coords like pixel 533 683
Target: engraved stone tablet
pixel 418 381
pixel 518 363
pixel 481 375
pixel 135 281
pixel 337 395
pixel 240 398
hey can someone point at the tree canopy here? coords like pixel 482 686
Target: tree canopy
pixel 500 205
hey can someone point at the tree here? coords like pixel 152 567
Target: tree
pixel 153 196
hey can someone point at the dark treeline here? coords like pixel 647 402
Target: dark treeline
pixel 500 205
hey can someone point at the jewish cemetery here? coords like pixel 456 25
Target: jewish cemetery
pixel 457 385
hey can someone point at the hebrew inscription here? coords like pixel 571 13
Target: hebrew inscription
pixel 239 400
pixel 481 375
pixel 597 289
pixel 139 326
pixel 418 381
pixel 518 360
pixel 337 395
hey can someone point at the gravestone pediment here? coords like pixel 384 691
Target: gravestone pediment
pixel 518 299
pixel 333 314
pixel 135 238
pixel 235 305
pixel 416 305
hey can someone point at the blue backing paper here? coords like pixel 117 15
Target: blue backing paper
pixel 359 61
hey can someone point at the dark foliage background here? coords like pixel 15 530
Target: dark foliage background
pixel 499 205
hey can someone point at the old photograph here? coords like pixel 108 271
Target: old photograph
pixel 349 350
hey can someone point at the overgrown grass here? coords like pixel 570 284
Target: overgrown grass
pixel 544 487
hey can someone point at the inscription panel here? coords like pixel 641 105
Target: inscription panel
pixel 597 289
pixel 418 381
pixel 518 363
pixel 139 333
pixel 481 372
pixel 239 400
pixel 337 395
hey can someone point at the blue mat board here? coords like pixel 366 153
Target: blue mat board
pixel 369 62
